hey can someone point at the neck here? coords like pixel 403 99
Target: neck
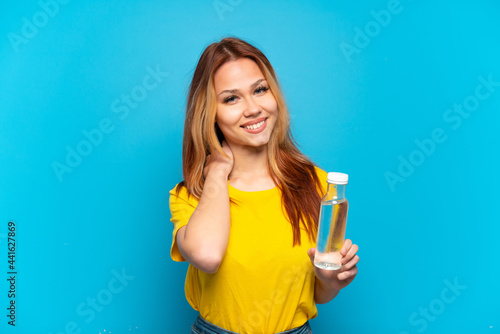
pixel 250 170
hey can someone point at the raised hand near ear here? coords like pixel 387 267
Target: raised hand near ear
pixel 217 162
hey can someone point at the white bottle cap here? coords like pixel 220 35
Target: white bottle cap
pixel 337 178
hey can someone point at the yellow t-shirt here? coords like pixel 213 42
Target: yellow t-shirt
pixel 263 285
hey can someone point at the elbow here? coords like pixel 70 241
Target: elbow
pixel 210 266
pixel 320 301
pixel 208 262
pixel 202 255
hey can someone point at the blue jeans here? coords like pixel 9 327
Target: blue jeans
pixel 201 326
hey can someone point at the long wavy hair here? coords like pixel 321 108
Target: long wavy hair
pixel 293 173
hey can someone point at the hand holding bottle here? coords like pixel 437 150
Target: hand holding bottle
pixel 340 278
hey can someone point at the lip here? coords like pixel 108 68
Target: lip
pixel 255 121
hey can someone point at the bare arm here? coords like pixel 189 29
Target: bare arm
pixel 203 241
pixel 324 293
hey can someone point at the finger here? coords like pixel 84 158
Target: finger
pixel 350 254
pixel 345 248
pixel 347 274
pixel 354 261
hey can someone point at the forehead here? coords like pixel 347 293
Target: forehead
pixel 237 74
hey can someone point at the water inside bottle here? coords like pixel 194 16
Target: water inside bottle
pixel 331 234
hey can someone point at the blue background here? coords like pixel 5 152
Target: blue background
pixel 358 113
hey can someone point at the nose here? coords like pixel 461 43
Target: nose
pixel 252 108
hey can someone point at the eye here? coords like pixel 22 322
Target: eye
pixel 230 99
pixel 261 89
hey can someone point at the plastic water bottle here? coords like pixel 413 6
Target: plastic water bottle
pixel 332 223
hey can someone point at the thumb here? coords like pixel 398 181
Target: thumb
pixel 311 252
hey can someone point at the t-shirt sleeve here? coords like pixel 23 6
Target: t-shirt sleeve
pixel 322 175
pixel 182 207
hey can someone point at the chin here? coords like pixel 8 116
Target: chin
pixel 251 142
pixel 259 143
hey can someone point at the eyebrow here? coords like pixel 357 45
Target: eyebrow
pixel 232 91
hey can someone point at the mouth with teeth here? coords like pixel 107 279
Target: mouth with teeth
pixel 255 126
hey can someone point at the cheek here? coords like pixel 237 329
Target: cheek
pixel 271 105
pixel 226 117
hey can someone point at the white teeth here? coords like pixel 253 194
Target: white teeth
pixel 255 126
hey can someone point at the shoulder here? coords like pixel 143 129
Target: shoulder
pixel 180 195
pixel 322 176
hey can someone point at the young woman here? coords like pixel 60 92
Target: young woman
pixel 245 216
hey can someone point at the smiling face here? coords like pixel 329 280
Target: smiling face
pixel 246 108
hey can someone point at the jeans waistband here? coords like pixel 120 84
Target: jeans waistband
pixel 201 326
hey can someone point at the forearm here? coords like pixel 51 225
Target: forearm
pixel 323 293
pixel 204 239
